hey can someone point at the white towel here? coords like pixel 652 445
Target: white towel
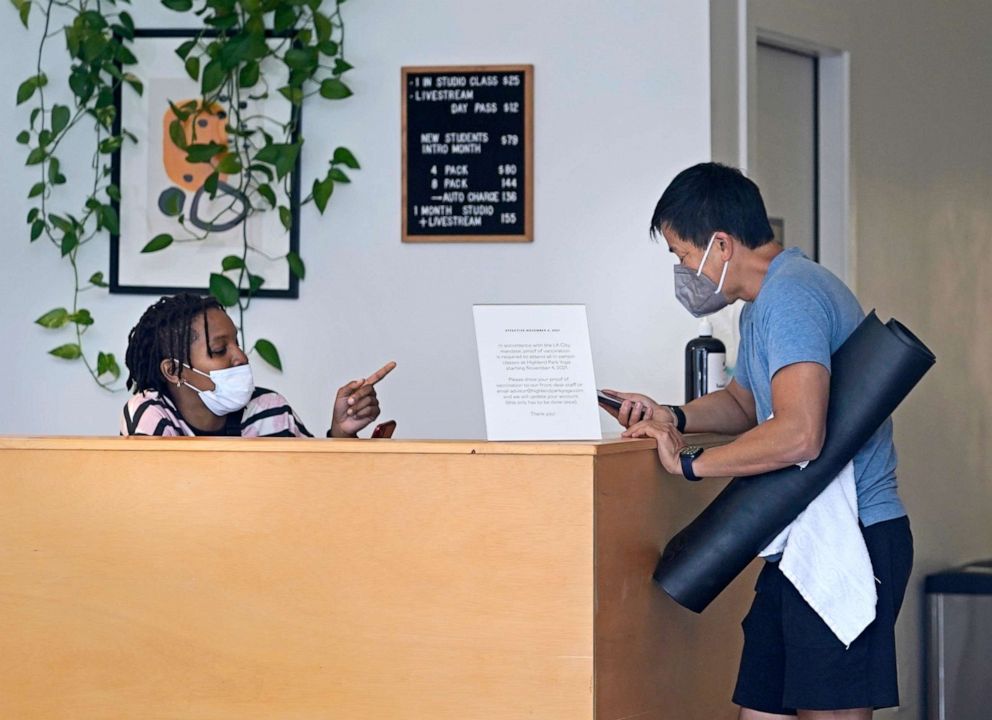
pixel 824 556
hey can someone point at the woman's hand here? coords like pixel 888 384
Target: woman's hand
pixel 356 404
pixel 669 441
pixel 637 407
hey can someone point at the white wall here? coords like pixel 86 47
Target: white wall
pixel 622 104
pixel 921 165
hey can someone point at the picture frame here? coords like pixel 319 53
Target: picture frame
pixel 154 177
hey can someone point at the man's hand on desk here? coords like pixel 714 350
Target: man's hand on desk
pixel 669 440
pixel 636 408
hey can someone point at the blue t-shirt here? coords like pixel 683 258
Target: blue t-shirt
pixel 803 313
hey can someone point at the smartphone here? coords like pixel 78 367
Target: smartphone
pixel 608 400
pixel 384 430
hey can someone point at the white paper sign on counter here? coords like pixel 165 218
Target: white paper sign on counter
pixel 537 375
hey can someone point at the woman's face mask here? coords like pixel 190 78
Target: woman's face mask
pixel 233 388
pixel 697 293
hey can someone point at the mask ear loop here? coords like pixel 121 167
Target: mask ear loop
pixel 180 382
pixel 723 276
pixel 705 255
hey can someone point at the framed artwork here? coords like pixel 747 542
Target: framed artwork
pixel 163 193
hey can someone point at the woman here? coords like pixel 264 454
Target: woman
pixel 190 377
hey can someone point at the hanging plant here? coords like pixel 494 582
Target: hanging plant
pixel 246 162
pixel 248 50
pixel 99 60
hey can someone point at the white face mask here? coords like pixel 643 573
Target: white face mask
pixel 233 388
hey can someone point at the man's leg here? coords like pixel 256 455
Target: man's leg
pixel 855 714
pixel 748 714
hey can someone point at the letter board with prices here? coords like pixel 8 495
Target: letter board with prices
pixel 468 153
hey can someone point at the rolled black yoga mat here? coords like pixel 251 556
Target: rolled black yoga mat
pixel 871 373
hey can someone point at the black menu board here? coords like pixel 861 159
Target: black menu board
pixel 468 153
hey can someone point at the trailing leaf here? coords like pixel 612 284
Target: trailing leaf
pixel 268 352
pixel 222 288
pixel 178 135
pixel 54 318
pixel 70 241
pixel 82 317
pixel 285 18
pixel 210 184
pixel 60 118
pixel 266 191
pixel 322 24
pixel 213 77
pixel 296 265
pixel 27 88
pixel 334 89
pixel 192 66
pixel 343 156
pixel 23 10
pixel 106 364
pixel 248 76
pixel 280 155
pixel 322 190
pixel 204 152
pixel 159 242
pixel 229 164
pixel 109 220
pixel 135 83
pixel 69 351
pixel 185 48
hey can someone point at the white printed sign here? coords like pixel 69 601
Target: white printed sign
pixel 537 374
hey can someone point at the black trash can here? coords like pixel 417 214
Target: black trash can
pixel 959 643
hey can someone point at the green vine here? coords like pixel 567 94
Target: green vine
pixel 231 59
pixel 96 42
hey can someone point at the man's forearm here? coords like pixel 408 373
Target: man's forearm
pixel 770 446
pixel 717 412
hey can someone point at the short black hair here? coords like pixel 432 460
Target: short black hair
pixel 164 331
pixel 709 198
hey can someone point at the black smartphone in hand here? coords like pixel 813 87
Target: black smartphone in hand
pixel 608 400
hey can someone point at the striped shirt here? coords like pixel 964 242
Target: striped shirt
pixel 266 415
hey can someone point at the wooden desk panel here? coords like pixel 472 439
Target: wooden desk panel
pixel 214 579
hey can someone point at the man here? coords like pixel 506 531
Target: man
pixel 796 315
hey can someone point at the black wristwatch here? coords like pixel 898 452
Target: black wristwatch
pixel 679 417
pixel 686 456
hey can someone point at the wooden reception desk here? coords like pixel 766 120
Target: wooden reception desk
pixel 291 579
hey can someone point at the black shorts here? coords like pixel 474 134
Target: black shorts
pixel 791 659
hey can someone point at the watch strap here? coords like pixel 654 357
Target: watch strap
pixel 679 417
pixel 686 460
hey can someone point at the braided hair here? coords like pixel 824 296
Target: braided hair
pixel 164 331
